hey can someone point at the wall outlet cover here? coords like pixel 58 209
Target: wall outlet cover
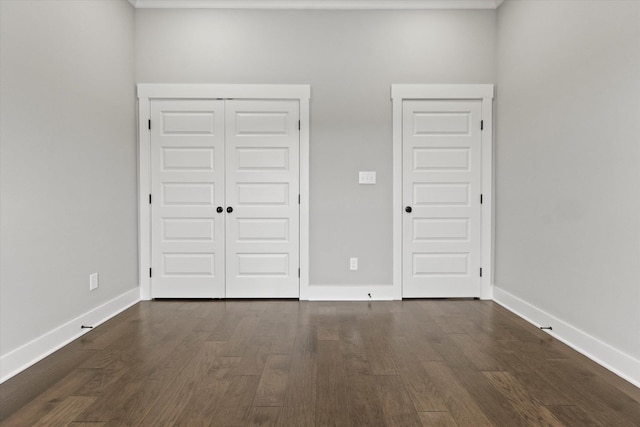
pixel 367 177
pixel 93 281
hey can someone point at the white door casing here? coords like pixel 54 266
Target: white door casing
pixel 441 194
pixel 439 237
pixel 196 233
pixel 262 146
pixel 187 169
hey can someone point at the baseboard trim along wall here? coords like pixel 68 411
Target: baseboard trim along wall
pixel 600 352
pixel 32 352
pixel 349 293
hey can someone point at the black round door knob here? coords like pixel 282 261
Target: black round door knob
pixel 229 209
pixel 408 209
pixel 219 209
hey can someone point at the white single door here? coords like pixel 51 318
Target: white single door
pixel 441 197
pixel 187 182
pixel 262 188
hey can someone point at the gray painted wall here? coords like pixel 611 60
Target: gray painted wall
pixel 350 59
pixel 568 156
pixel 68 161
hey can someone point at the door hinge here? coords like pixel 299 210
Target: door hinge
pixel 480 271
pixel 480 198
pixel 298 124
pixel 149 272
pixel 149 198
pixel 149 124
pixel 481 124
pixel 298 199
pixel 298 272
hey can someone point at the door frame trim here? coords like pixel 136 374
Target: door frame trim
pixel 484 93
pixel 149 91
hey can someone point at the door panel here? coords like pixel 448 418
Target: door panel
pixel 262 146
pixel 441 185
pixel 187 169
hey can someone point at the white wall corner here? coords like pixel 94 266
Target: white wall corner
pixel 32 352
pixel 618 362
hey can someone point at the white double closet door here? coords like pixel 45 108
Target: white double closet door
pixel 225 198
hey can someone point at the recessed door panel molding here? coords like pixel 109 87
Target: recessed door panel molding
pixel 263 158
pixel 188 229
pixel 188 122
pixel 225 170
pixel 440 229
pixel 442 190
pixel 440 123
pixel 262 123
pixel 188 158
pixel 441 159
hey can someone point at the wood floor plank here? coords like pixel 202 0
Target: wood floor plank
pixel 396 404
pixel 377 347
pixel 255 356
pixel 171 403
pixel 571 415
pixel 131 397
pixel 492 403
pixel 331 386
pixel 615 407
pixel 273 381
pixel 66 410
pixel 224 328
pixel 241 391
pixel 437 419
pixel 208 394
pixel 422 391
pixel 86 424
pixel 230 416
pixel 299 406
pixel 460 404
pixel 365 408
pixel 301 363
pixel 18 391
pixel 530 410
pixel 41 405
pixel 263 416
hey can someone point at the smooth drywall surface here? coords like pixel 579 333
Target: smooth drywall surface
pixel 350 59
pixel 568 156
pixel 68 161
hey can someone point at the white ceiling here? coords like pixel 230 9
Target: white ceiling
pixel 317 4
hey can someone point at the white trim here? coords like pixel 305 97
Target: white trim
pixel 483 92
pixel 147 92
pixel 317 4
pixel 616 361
pixel 37 349
pixel 351 293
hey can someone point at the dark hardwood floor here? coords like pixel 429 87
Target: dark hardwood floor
pixel 291 363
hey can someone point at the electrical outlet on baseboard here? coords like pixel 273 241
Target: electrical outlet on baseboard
pixel 353 263
pixel 93 281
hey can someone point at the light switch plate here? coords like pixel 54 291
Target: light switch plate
pixel 367 177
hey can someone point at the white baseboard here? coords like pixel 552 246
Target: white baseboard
pixel 21 358
pixel 600 352
pixel 350 293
